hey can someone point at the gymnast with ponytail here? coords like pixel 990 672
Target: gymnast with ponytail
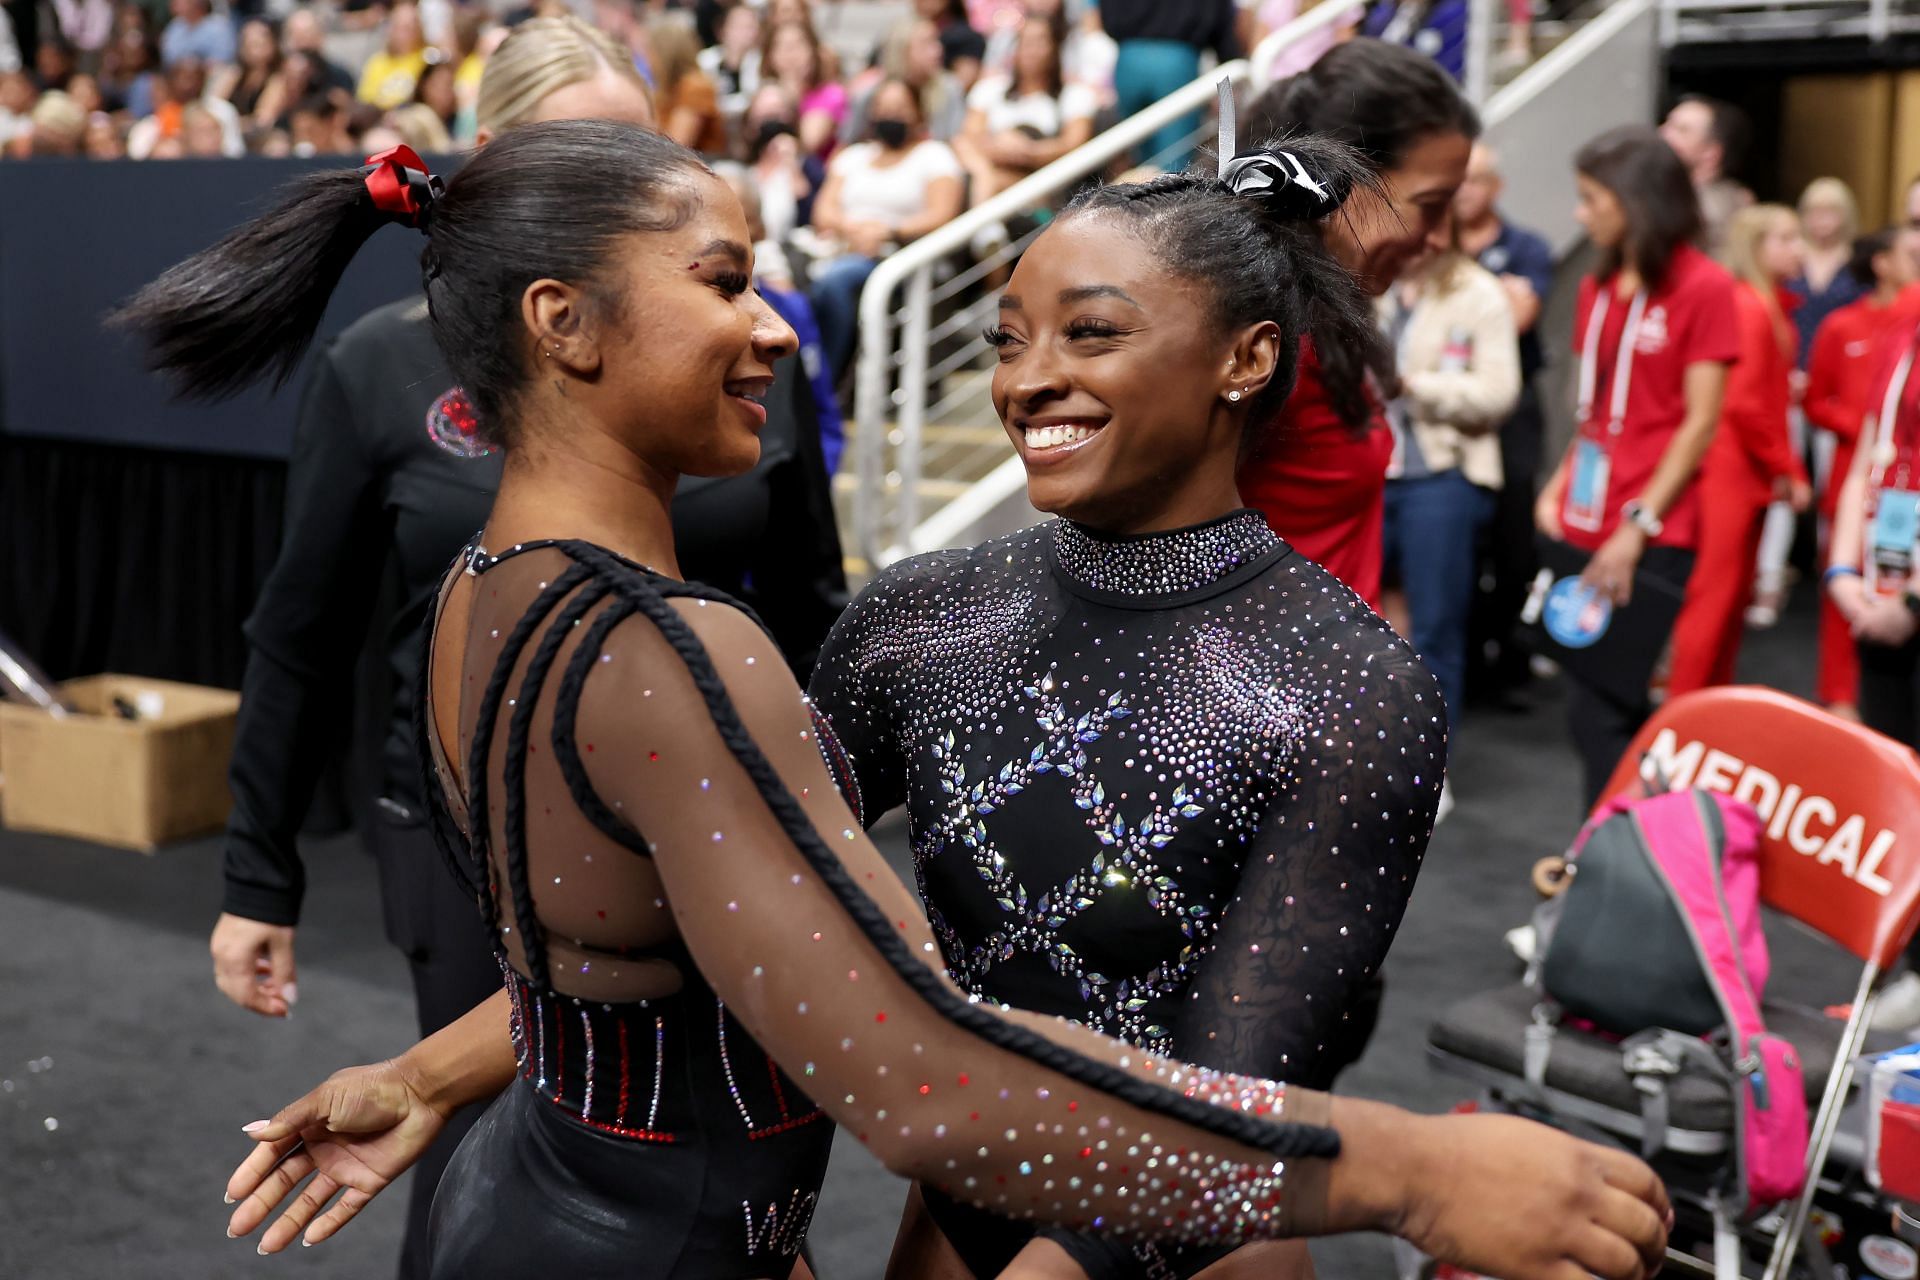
pixel 706 964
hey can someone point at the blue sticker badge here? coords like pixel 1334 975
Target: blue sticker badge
pixel 1576 615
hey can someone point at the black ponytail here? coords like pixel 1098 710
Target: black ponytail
pixel 248 307
pixel 1255 242
pixel 1381 100
pixel 544 201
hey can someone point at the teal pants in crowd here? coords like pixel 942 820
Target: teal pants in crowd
pixel 1149 70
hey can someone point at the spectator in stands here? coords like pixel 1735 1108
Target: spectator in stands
pixel 318 126
pixel 786 178
pixel 254 85
pixel 9 46
pixel 1437 28
pixel 1087 53
pixel 201 134
pixel 86 25
pixel 1160 48
pixel 421 128
pixel 1523 261
pixel 912 53
pixel 885 192
pixel 106 140
pixel 684 96
pixel 1711 137
pixel 474 37
pixel 438 91
pixel 390 75
pixel 1024 121
pixel 53 63
pixel 85 90
pixel 59 125
pixel 1318 470
pixel 197 32
pixel 1752 461
pixel 792 58
pixel 184 85
pixel 773 277
pixel 1458 357
pixel 304 34
pixel 734 59
pixel 1656 329
pixel 1839 381
pixel 128 71
pixel 17 96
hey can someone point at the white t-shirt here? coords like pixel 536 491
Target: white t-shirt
pixel 893 193
pixel 1044 114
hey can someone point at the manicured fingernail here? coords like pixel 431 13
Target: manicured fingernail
pixel 230 1234
pixel 306 1244
pixel 228 1199
pixel 255 1127
pixel 260 1249
pixel 291 994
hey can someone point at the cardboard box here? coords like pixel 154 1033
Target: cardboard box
pixel 132 783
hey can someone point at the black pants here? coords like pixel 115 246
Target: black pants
pixel 453 967
pixel 1889 695
pixel 1496 661
pixel 1603 727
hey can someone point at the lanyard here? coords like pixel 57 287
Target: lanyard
pixel 1884 451
pixel 1623 359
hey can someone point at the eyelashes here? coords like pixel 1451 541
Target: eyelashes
pixel 999 336
pixel 732 283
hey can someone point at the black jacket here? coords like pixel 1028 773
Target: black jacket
pixel 370 491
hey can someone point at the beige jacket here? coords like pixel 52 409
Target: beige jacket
pixel 1456 411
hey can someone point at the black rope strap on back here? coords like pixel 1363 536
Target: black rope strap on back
pixel 566 748
pixel 533 934
pixel 1284 1139
pixel 481 747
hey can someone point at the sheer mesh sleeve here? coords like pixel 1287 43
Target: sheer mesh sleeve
pixel 1331 866
pixel 692 736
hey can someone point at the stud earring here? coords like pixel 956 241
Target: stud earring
pixel 1234 396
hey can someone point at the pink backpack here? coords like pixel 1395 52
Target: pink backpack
pixel 1654 880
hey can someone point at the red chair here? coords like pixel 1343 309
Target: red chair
pixel 1840 853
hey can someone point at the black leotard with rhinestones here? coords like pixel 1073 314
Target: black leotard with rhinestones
pixel 1174 787
pixel 705 955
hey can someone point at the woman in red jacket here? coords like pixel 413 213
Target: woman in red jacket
pixel 1318 471
pixel 1839 384
pixel 1752 461
pixel 1654 328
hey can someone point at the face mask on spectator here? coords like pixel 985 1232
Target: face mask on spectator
pixel 892 134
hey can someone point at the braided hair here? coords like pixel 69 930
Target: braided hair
pixel 1252 240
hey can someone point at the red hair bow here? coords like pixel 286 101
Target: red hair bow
pixel 401 186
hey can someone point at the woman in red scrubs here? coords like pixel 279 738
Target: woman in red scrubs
pixel 1839 385
pixel 1752 462
pixel 1318 471
pixel 1655 331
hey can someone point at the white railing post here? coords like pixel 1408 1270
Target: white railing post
pixel 873 394
pixel 1479 69
pixel 1879 21
pixel 913 396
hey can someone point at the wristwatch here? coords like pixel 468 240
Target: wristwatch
pixel 1636 514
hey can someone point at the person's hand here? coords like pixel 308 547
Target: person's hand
pixel 253 964
pixel 1546 514
pixel 355 1134
pixel 1885 620
pixel 868 239
pixel 1610 572
pixel 1797 385
pixel 1794 491
pixel 1011 149
pixel 1515 1199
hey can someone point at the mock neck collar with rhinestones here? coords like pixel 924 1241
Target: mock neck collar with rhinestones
pixel 1170 563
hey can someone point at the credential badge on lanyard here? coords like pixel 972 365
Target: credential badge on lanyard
pixel 1894 527
pixel 1586 506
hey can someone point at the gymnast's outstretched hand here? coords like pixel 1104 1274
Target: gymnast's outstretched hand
pixel 364 1127
pixel 355 1134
